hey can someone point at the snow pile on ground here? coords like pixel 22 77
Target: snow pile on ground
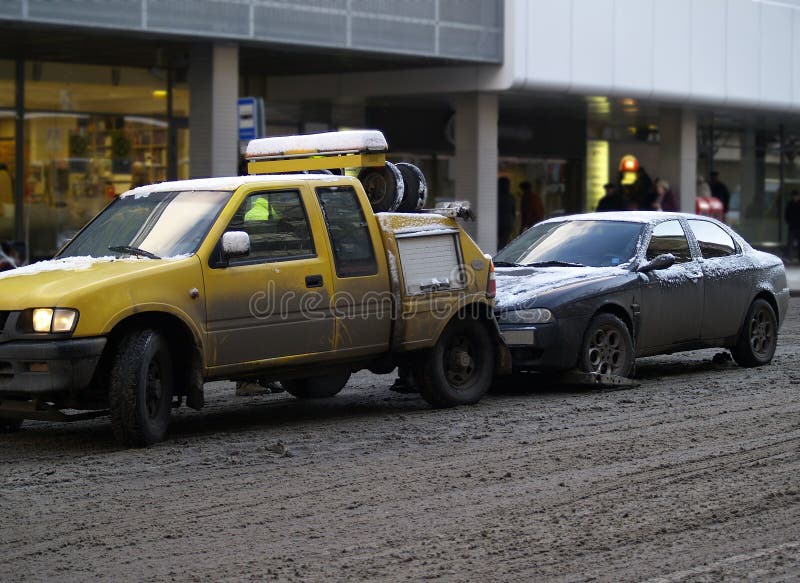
pixel 347 141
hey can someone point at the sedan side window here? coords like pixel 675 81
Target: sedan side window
pixel 668 237
pixel 713 240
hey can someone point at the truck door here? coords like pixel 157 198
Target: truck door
pixel 275 301
pixel 362 303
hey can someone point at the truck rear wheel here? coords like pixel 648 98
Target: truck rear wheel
pixel 317 387
pixel 10 425
pixel 140 388
pixel 458 370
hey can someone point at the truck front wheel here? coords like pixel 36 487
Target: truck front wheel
pixel 458 370
pixel 140 388
pixel 317 387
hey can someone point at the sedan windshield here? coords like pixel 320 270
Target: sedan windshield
pixel 573 243
pixel 156 225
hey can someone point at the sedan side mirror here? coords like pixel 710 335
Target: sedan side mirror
pixel 235 244
pixel 662 261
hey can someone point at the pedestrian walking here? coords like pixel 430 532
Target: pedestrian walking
pixel 612 200
pixel 719 190
pixel 506 211
pixel 532 206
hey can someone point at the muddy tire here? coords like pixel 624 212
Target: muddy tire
pixel 384 187
pixel 607 347
pixel 140 388
pixel 458 370
pixel 9 425
pixel 759 336
pixel 415 188
pixel 316 387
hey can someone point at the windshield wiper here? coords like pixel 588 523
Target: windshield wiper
pixel 505 264
pixel 554 263
pixel 133 251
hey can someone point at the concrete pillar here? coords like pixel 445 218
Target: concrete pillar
pixel 475 170
pixel 213 123
pixel 678 164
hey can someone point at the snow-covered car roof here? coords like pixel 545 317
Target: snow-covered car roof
pixel 628 217
pixel 223 183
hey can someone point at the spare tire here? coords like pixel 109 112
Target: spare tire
pixel 416 188
pixel 415 181
pixel 384 187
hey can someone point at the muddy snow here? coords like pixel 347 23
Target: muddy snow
pixel 691 476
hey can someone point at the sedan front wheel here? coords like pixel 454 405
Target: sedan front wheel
pixel 607 347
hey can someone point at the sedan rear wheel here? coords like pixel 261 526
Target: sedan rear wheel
pixel 607 347
pixel 759 336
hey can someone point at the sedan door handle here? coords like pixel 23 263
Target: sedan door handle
pixel 313 281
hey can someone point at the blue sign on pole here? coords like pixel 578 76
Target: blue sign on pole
pixel 251 118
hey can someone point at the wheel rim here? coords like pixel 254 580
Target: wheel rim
pixel 606 353
pixel 762 332
pixel 376 186
pixel 459 362
pixel 154 390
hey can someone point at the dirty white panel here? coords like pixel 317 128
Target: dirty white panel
pixel 592 45
pixel 742 56
pixel 776 39
pixel 633 47
pixel 708 50
pixel 429 262
pixel 671 58
pixel 545 25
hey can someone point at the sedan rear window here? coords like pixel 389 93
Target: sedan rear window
pixel 592 243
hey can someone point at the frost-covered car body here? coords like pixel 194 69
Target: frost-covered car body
pixel 278 277
pixel 677 282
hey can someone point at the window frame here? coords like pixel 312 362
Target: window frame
pixel 249 259
pixel 686 236
pixel 337 260
pixel 737 249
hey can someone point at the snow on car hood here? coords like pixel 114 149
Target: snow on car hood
pixel 517 286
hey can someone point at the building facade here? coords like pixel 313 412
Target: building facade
pixel 98 96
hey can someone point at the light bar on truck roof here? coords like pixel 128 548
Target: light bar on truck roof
pixel 329 143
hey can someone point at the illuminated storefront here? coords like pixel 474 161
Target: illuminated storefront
pixel 90 133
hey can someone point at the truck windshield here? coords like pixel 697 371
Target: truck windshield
pixel 574 243
pixel 159 224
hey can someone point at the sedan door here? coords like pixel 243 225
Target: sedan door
pixel 671 307
pixel 728 280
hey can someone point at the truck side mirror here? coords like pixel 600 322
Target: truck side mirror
pixel 235 244
pixel 662 261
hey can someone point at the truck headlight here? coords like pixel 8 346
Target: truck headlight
pixel 46 320
pixel 532 316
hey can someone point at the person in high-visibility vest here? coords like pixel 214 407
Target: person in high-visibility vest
pixel 261 211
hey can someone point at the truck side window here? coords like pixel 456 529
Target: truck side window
pixel 277 225
pixel 352 246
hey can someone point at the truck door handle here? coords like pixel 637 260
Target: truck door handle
pixel 313 281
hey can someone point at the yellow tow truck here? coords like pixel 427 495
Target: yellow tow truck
pixel 284 275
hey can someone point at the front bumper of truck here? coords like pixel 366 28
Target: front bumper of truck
pixel 32 369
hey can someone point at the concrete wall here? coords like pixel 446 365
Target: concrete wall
pixel 724 52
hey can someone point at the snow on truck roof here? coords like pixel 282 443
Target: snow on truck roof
pixel 325 143
pixel 222 183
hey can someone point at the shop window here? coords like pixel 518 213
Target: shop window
pixel 7 149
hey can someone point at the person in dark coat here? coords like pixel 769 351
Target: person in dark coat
pixel 532 207
pixel 612 200
pixel 719 190
pixel 506 211
pixel 792 216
